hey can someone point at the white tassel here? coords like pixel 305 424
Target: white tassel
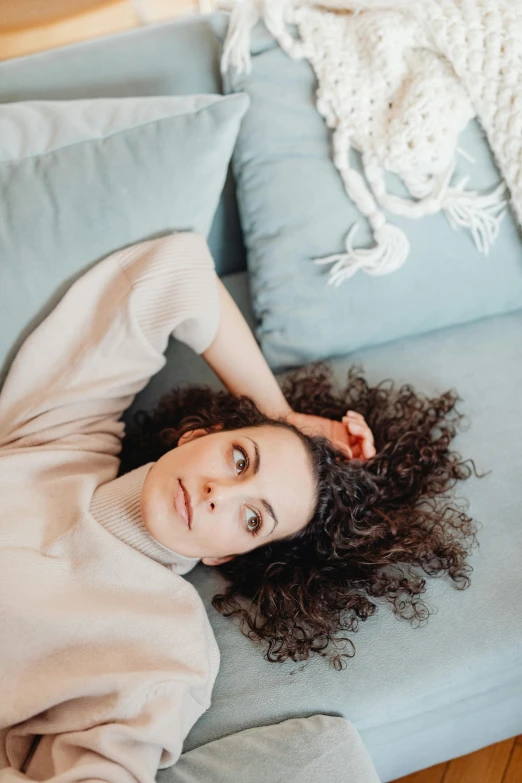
pixel 277 13
pixel 477 212
pixel 390 253
pixel 392 246
pixel 430 203
pixel 236 49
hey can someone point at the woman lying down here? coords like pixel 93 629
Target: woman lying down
pixel 307 500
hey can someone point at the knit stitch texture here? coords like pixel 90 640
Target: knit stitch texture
pixel 399 83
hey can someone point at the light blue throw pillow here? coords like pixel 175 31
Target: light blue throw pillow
pixel 294 209
pixel 82 178
pixel 145 61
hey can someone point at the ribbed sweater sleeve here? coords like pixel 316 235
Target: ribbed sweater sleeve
pixel 83 365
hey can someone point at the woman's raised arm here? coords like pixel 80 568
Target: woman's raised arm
pixel 236 358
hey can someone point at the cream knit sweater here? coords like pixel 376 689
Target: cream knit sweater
pixel 107 656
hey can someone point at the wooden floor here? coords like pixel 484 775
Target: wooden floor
pixel 500 763
pixel 29 26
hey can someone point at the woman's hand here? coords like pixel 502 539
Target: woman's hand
pixel 352 435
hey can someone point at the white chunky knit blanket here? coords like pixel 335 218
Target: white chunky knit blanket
pixel 398 80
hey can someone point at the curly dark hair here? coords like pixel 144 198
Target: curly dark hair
pixel 378 524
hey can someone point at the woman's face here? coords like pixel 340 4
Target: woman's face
pixel 231 503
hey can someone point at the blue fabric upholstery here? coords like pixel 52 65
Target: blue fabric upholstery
pixel 294 208
pixel 82 179
pixel 147 61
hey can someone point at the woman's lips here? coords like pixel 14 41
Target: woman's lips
pixel 182 503
pixel 188 504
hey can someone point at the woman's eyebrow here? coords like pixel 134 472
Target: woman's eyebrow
pixel 267 505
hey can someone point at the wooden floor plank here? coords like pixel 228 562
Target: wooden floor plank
pixel 484 766
pixel 56 23
pixel 430 775
pixel 500 763
pixel 513 773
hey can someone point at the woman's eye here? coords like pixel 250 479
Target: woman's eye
pixel 243 463
pixel 243 459
pixel 257 529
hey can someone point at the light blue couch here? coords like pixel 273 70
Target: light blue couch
pixel 415 696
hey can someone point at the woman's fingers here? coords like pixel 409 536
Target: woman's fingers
pixel 355 416
pixel 358 427
pixel 354 413
pixel 352 436
pixel 368 449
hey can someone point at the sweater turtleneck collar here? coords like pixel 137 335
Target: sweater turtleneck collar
pixel 116 506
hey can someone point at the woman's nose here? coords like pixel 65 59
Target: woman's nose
pixel 217 492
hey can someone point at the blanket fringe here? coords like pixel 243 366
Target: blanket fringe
pixel 391 248
pixel 481 213
pixel 244 17
pixel 390 253
pixel 236 49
